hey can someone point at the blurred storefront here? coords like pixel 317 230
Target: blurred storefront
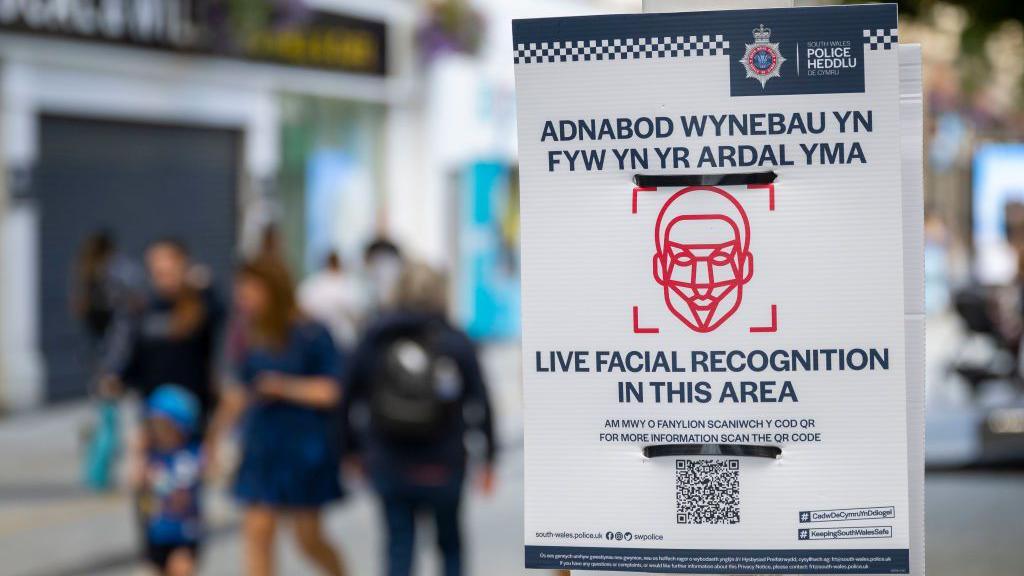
pixel 333 120
pixel 203 120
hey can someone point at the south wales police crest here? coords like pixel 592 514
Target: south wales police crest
pixel 762 59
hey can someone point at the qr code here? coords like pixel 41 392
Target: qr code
pixel 707 491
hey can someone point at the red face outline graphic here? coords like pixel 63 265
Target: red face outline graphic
pixel 702 256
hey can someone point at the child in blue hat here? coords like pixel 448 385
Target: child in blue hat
pixel 170 482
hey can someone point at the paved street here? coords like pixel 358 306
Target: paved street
pixel 51 527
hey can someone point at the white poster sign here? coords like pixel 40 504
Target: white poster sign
pixel 713 292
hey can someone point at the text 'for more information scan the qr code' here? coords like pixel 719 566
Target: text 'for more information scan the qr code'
pixel 708 491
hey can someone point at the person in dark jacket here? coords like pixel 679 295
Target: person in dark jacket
pixel 416 385
pixel 173 335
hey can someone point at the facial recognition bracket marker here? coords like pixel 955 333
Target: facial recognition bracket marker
pixel 771 193
pixel 637 190
pixel 636 324
pixel 768 329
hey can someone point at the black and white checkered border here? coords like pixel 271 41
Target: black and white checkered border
pixel 621 49
pixel 881 39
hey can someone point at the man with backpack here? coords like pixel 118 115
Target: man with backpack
pixel 415 393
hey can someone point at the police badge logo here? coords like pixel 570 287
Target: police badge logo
pixel 763 59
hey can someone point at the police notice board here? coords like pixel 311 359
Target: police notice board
pixel 713 292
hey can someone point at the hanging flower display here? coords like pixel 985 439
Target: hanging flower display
pixel 452 26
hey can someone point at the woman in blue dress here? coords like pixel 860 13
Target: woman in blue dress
pixel 287 372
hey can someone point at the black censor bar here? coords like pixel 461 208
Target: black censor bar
pixel 750 450
pixel 730 179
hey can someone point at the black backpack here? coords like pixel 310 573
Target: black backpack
pixel 406 402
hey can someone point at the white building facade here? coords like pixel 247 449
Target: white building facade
pixel 138 72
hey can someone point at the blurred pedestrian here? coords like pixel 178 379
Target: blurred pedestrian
pixel 329 297
pixel 272 245
pixel 419 379
pixel 173 336
pixel 287 388
pixel 106 282
pixel 169 481
pixel 106 285
pixel 382 261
